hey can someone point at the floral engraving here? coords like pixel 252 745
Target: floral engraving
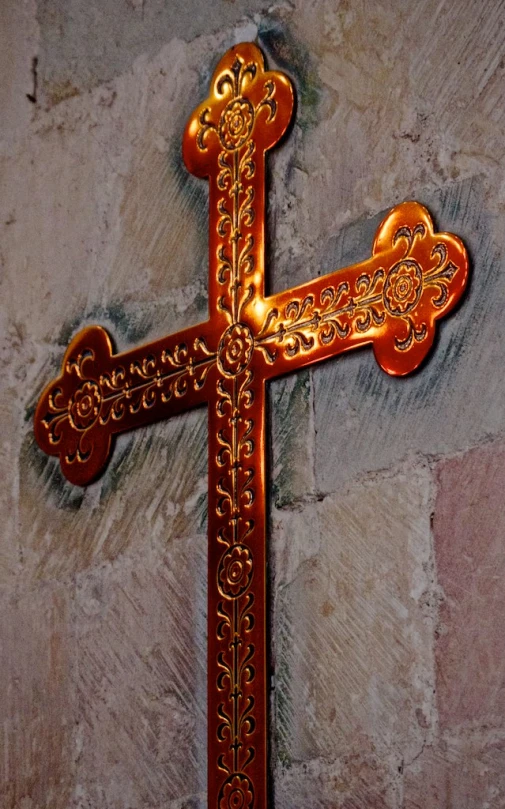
pixel 84 406
pixel 235 349
pixel 86 402
pixel 230 118
pixel 403 287
pixel 235 571
pixel 236 123
pixel 236 792
pixel 397 300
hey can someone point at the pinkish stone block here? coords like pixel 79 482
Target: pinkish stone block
pixel 357 780
pixel 463 773
pixel 469 529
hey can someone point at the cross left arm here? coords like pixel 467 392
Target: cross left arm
pixel 99 393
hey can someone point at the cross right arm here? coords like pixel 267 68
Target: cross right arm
pixel 392 300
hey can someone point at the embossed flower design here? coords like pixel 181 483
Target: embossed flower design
pixel 235 349
pixel 236 124
pixel 84 406
pixel 403 287
pixel 235 571
pixel 236 793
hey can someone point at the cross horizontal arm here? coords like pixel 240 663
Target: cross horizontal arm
pixel 100 393
pixel 392 300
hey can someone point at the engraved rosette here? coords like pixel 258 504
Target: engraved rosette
pixel 403 287
pixel 235 571
pixel 236 793
pixel 84 406
pixel 236 123
pixel 235 349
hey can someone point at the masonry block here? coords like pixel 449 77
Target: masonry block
pixel 153 491
pixel 463 772
pixel 292 438
pixel 469 529
pixel 83 46
pixel 118 235
pixel 10 553
pixel 19 40
pixel 354 781
pixel 352 631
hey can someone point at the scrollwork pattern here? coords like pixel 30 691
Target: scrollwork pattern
pixel 369 303
pixel 89 399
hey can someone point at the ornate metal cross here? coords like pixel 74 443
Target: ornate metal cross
pixel 413 277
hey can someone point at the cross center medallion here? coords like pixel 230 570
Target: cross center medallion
pixel 391 301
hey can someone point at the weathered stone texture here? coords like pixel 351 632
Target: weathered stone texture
pixel 106 216
pixel 10 556
pixel 37 700
pixel 153 491
pixel 141 682
pixel 18 29
pixel 84 44
pixel 292 442
pixel 356 780
pixel 389 688
pixel 394 98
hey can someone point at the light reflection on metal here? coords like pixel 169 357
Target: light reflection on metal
pixel 413 277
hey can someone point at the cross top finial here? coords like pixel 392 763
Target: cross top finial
pixel 246 105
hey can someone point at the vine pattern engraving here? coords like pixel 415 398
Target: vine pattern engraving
pixel 73 416
pixel 363 305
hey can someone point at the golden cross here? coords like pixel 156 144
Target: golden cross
pixel 392 300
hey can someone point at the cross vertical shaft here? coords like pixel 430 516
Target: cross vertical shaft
pixel 392 301
pixel 226 139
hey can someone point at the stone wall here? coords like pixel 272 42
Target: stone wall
pixel 386 509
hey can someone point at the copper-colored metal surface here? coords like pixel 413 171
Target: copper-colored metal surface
pixel 413 277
